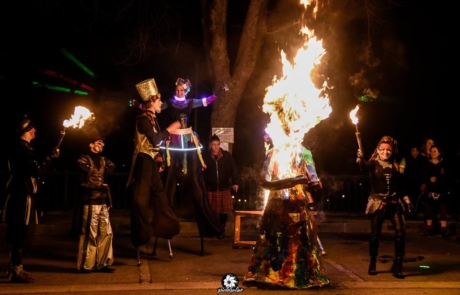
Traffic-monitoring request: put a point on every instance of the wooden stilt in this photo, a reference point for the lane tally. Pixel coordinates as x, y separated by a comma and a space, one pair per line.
202, 246
138, 257
170, 249
154, 252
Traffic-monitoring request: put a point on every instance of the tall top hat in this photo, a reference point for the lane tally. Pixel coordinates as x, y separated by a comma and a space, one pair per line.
148, 90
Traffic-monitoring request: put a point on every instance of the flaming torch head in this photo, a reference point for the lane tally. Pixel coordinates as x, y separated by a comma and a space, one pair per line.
79, 117
353, 117
77, 120
355, 121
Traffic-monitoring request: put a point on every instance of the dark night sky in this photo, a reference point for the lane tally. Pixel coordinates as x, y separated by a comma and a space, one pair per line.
422, 103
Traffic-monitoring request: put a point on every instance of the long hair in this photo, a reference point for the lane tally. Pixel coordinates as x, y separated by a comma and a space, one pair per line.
394, 146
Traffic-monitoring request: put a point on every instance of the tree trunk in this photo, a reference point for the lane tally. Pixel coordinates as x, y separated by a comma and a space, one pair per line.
215, 38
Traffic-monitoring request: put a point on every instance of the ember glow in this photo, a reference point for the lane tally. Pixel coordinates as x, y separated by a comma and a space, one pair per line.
295, 104
79, 117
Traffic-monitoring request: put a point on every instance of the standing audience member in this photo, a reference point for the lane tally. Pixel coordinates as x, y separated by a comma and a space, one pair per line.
435, 190
425, 149
151, 212
385, 201
221, 176
95, 250
412, 166
25, 169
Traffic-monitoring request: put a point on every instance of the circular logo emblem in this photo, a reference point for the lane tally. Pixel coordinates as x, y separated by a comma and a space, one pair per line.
230, 281
230, 284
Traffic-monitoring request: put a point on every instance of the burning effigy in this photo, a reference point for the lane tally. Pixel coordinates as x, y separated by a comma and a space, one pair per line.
287, 253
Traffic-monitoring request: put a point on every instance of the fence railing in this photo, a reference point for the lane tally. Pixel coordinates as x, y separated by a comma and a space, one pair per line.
344, 193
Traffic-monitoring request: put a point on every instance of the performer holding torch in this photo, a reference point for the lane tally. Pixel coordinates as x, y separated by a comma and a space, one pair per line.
355, 121
387, 199
25, 169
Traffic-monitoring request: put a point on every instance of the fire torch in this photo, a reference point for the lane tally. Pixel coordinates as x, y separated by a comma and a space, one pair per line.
355, 121
77, 120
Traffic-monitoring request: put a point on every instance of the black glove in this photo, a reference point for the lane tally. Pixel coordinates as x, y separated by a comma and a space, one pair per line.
311, 207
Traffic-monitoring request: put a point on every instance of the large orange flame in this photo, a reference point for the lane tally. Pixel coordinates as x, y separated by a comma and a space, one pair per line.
295, 104
79, 117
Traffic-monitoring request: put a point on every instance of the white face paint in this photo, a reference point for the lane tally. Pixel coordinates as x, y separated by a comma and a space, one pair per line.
384, 151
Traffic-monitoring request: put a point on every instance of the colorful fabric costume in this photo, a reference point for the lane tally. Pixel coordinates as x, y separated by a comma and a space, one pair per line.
286, 253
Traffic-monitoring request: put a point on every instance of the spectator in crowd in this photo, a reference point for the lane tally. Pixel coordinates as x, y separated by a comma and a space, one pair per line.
434, 184
221, 177
425, 149
411, 166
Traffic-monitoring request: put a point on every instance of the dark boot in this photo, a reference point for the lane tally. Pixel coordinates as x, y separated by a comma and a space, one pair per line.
373, 252
400, 245
222, 233
223, 223
444, 233
18, 275
429, 231
396, 268
372, 266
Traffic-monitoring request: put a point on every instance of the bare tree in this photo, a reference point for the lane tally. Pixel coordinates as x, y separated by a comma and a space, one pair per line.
214, 21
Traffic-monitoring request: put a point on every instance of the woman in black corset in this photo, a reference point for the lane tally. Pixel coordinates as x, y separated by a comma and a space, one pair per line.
386, 201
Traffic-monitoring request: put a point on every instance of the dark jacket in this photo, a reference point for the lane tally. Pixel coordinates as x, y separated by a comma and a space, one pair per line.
221, 171
95, 169
439, 172
25, 169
